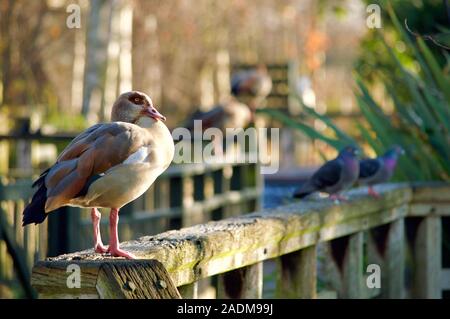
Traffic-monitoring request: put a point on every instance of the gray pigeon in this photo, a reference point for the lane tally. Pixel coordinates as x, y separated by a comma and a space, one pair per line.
334, 176
379, 170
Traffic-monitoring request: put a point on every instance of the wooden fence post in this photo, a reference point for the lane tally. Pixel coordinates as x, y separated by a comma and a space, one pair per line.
17, 253
146, 279
395, 259
427, 248
386, 248
242, 283
347, 254
297, 274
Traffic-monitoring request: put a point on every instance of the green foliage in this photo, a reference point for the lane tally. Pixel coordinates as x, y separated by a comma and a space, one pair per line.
424, 17
420, 120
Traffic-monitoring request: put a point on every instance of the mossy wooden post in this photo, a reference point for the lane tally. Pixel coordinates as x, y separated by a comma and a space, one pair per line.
427, 261
347, 254
242, 283
135, 280
109, 279
386, 248
297, 274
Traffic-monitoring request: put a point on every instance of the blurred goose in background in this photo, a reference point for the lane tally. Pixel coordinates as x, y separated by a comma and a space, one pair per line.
334, 176
107, 166
230, 114
380, 169
256, 83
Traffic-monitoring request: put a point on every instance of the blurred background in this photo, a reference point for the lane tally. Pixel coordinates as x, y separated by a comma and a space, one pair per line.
180, 53
336, 79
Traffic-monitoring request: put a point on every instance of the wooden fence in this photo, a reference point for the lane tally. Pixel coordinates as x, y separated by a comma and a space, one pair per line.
401, 232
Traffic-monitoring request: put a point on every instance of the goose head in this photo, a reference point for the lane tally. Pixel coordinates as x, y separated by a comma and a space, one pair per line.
134, 106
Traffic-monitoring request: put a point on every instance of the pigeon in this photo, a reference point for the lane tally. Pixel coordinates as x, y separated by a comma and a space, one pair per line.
334, 176
379, 170
107, 166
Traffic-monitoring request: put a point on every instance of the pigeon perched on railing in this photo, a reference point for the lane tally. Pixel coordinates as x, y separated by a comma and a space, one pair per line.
379, 170
334, 176
107, 166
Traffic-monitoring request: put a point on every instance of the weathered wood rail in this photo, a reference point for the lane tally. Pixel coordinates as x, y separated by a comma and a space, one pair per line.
400, 232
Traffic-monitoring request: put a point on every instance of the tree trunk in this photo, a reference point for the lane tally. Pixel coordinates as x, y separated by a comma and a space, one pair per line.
6, 12
93, 47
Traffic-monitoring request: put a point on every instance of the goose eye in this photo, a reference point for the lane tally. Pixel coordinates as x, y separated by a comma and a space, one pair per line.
136, 99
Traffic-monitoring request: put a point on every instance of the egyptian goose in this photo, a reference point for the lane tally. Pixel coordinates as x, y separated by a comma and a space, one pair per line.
107, 166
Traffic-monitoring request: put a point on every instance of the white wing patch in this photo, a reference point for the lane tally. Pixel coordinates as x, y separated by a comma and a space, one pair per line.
138, 157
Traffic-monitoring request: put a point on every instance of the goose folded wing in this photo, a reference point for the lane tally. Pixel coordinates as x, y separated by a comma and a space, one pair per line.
93, 152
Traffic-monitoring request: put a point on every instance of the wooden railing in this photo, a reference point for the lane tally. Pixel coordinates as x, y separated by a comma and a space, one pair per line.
400, 232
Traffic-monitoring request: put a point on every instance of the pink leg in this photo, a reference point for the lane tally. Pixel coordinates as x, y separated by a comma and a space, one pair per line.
114, 249
373, 193
98, 244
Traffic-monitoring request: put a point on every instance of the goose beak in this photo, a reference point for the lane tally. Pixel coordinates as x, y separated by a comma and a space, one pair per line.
153, 113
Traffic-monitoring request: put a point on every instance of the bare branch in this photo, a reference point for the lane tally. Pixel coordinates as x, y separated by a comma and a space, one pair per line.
427, 37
